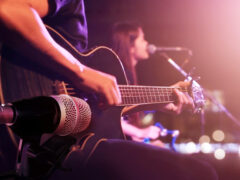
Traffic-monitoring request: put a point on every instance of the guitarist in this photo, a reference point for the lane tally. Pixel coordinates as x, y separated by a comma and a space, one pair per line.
22, 31
130, 44
28, 44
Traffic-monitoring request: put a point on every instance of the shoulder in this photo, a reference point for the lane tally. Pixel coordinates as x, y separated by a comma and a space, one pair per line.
41, 6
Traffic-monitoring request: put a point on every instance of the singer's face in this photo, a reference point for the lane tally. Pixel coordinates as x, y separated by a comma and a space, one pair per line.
139, 48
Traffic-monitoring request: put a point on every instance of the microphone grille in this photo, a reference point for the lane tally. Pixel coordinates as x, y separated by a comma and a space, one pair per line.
68, 112
151, 48
83, 117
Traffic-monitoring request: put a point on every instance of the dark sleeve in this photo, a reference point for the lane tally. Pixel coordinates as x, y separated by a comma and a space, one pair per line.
69, 19
56, 5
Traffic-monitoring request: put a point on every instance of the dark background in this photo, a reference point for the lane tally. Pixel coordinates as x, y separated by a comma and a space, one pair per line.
211, 29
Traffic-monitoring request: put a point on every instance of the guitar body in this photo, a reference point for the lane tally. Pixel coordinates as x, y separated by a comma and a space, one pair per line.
22, 79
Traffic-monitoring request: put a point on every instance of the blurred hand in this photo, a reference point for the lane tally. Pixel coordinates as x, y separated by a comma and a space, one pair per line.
151, 132
183, 102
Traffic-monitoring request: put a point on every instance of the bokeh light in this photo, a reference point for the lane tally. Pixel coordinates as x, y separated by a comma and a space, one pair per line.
219, 154
218, 135
204, 139
191, 148
206, 148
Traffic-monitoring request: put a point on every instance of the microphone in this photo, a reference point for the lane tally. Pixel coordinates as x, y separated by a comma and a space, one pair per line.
60, 114
153, 49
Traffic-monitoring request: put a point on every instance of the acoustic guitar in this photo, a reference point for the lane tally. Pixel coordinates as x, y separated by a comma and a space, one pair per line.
20, 81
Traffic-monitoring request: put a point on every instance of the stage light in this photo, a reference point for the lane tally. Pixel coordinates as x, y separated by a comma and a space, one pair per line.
218, 135
219, 154
191, 147
239, 151
147, 119
204, 139
206, 148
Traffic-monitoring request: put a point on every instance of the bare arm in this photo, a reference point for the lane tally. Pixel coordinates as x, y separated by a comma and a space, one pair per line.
139, 134
23, 30
151, 132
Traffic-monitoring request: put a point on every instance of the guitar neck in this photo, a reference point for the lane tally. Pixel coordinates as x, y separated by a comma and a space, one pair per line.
133, 95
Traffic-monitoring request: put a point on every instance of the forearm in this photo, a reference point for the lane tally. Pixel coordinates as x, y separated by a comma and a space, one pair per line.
23, 30
139, 134
131, 130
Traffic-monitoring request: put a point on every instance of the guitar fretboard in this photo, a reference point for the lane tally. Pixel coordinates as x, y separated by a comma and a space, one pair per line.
132, 95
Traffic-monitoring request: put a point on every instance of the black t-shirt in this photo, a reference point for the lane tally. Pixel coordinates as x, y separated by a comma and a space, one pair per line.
68, 18
23, 78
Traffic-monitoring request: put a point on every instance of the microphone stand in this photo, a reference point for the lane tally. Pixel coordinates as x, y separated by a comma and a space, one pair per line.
222, 108
207, 95
199, 97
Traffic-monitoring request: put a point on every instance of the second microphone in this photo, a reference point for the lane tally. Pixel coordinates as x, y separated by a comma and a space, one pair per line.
61, 115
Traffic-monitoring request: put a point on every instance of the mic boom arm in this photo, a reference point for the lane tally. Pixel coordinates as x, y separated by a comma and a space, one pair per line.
204, 93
